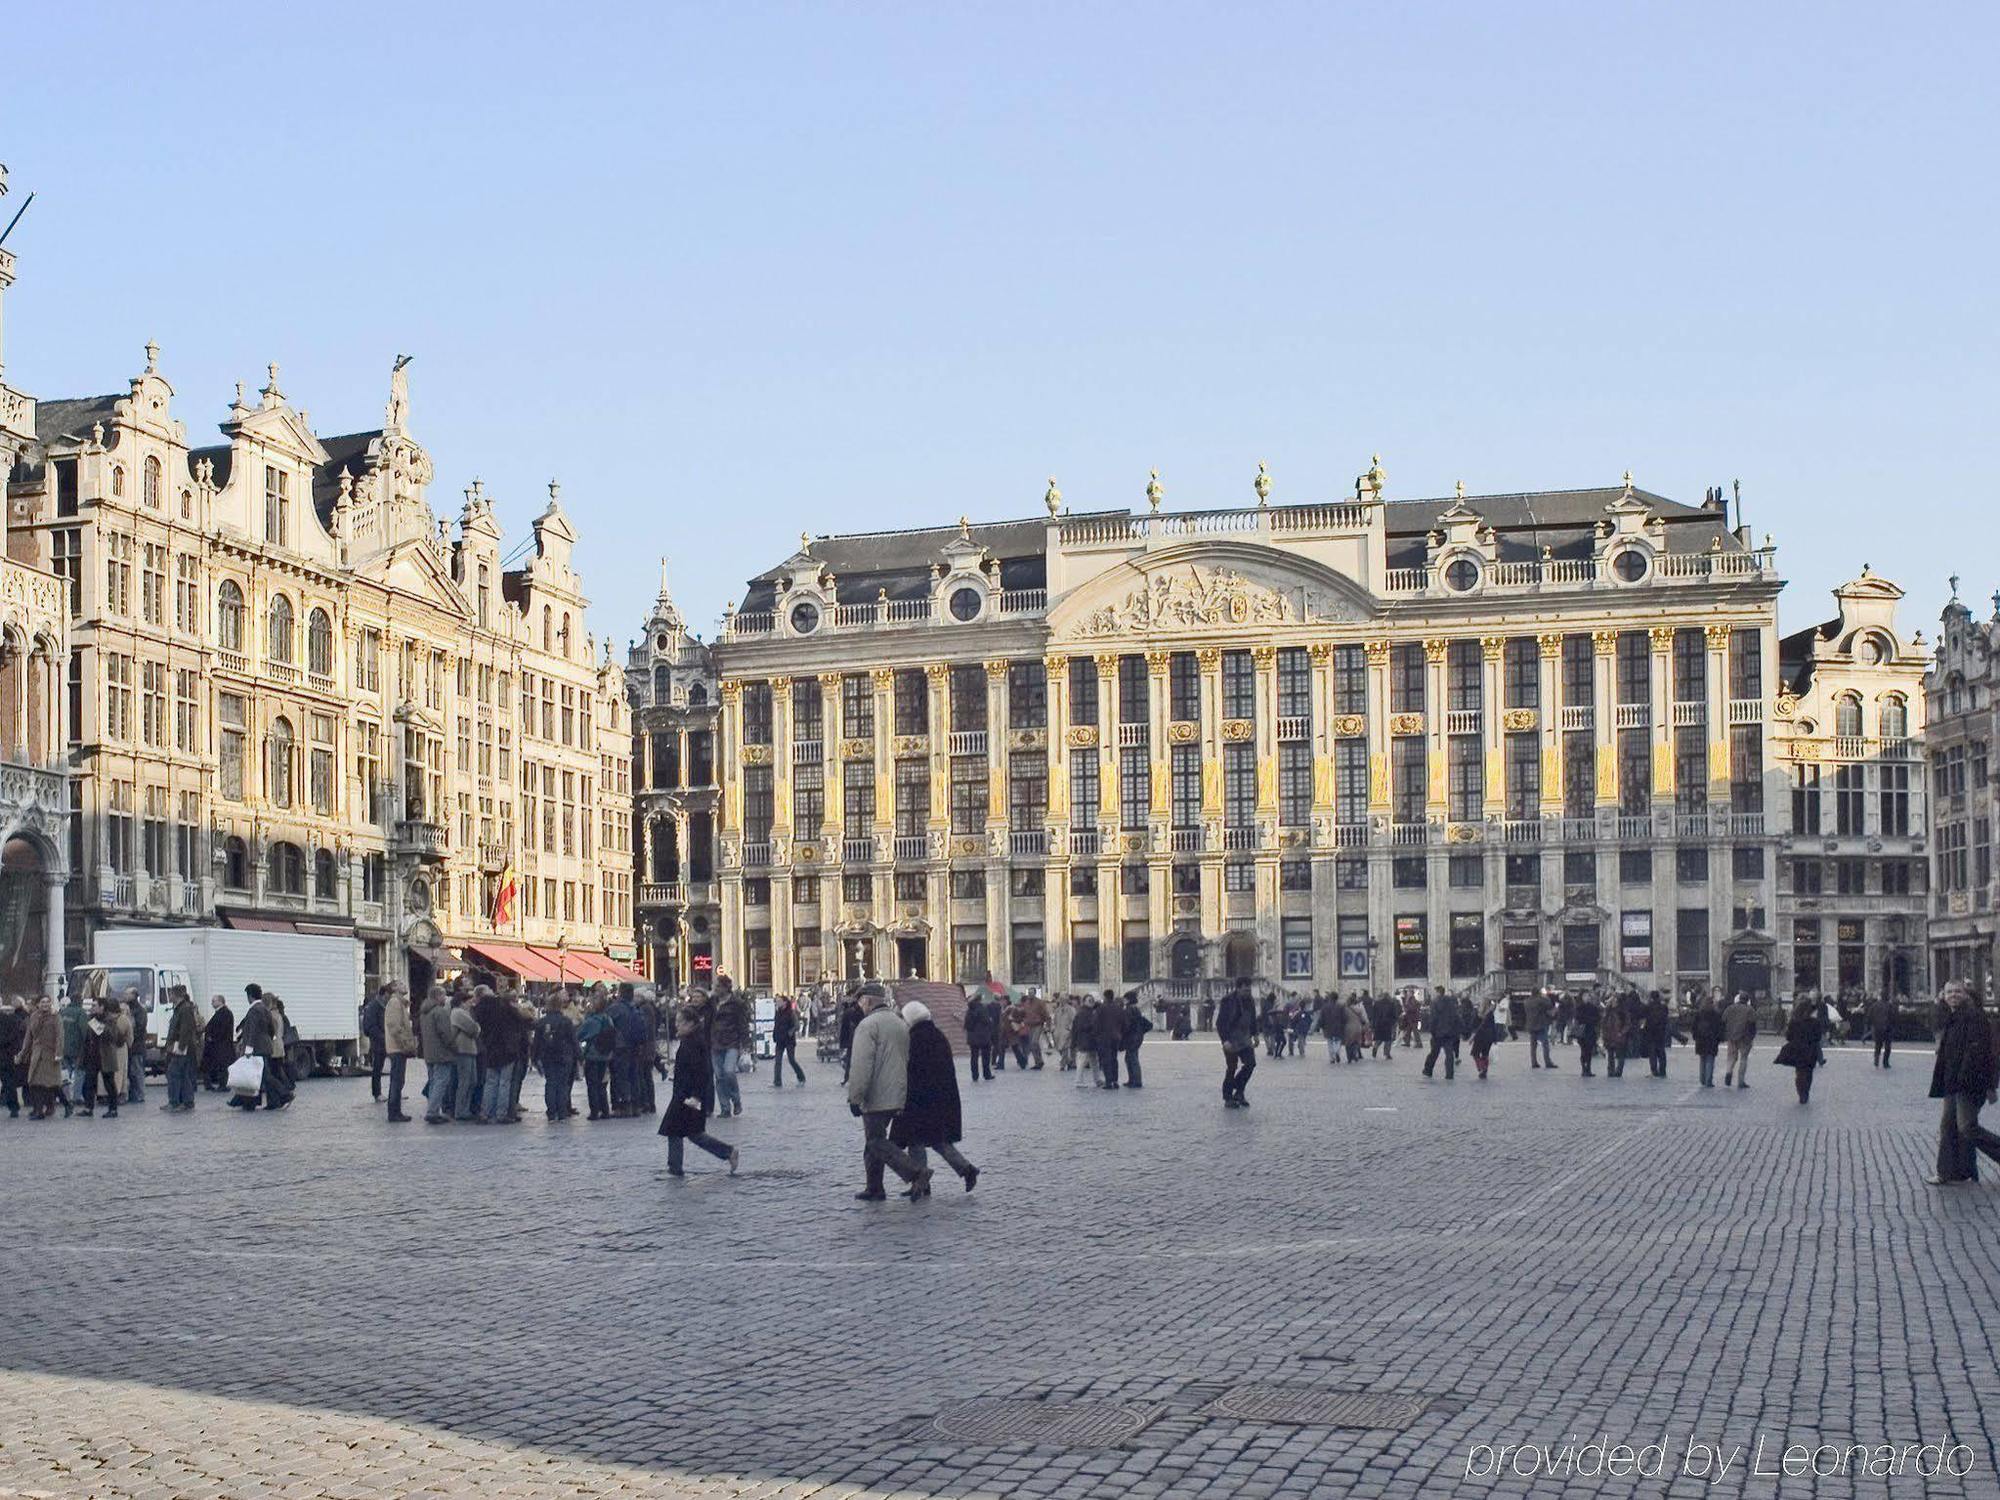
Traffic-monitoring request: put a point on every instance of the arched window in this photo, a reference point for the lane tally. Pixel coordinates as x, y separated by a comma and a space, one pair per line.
281, 629
187, 505
288, 869
229, 616
1847, 715
319, 644
323, 881
279, 768
485, 592
117, 481
697, 695
663, 685
562, 636
235, 864
152, 483
1895, 718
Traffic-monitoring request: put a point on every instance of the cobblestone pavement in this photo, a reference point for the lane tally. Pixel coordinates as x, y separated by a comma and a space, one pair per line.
316, 1304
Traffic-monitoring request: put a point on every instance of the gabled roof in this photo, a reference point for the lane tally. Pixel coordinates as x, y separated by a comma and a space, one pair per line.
65, 420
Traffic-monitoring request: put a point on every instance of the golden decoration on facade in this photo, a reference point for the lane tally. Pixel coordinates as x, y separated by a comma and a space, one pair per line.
937, 671
1406, 723
729, 688
1517, 719
1491, 647
1055, 666
1349, 726
1551, 644
1662, 638
884, 679
1027, 739
1436, 651
1718, 637
1182, 733
1082, 736
1464, 833
1320, 653
1264, 657
1604, 642
805, 854
1157, 662
756, 755
996, 670
911, 744
857, 749
1377, 653
1786, 706
1238, 730
1209, 658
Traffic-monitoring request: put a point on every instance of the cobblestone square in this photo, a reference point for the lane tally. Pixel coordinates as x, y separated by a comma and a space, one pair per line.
1148, 1295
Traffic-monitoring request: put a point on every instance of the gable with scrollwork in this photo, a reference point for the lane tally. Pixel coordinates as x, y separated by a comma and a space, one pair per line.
1196, 589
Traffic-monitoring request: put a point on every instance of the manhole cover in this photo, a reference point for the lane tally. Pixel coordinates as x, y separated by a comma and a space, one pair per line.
1067, 1424
1302, 1406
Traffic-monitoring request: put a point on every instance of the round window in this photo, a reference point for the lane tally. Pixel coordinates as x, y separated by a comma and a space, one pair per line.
662, 642
1629, 565
1871, 650
965, 603
1460, 574
805, 618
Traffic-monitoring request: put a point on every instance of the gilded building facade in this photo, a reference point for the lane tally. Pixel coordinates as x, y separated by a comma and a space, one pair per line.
298, 698
1854, 876
1962, 698
34, 769
676, 711
1507, 739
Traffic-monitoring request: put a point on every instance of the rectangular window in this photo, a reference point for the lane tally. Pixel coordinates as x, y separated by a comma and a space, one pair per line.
1350, 780
1746, 768
1805, 799
1521, 662
857, 706
1083, 789
1350, 872
756, 712
1406, 678
117, 697
1295, 875
66, 562
857, 887
1635, 667
1029, 954
1083, 960
1848, 794
1294, 684
153, 584
277, 506
1468, 945
1746, 664
913, 797
1239, 877
1690, 769
1295, 784
1295, 935
968, 697
1027, 790
1524, 776
230, 716
1409, 872
1350, 680
153, 703
913, 702
1895, 799
1580, 869
1412, 947
1186, 798
1239, 785
1184, 687
1239, 685
1027, 704
1635, 772
857, 798
757, 805
1746, 862
1407, 769
1135, 787
1579, 774
187, 714
320, 771
808, 711
1691, 864
1136, 953
1082, 690
1463, 690
1635, 942
968, 793
808, 797
1635, 867
968, 885
1691, 940
1467, 872
1577, 672
1467, 768
1132, 691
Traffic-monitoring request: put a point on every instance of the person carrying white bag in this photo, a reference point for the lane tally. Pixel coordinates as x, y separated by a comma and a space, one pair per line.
258, 1035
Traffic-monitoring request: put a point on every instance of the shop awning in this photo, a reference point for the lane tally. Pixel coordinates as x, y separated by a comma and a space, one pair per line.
588, 966
522, 962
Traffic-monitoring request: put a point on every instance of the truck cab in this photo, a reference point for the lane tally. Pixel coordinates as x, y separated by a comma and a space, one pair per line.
152, 982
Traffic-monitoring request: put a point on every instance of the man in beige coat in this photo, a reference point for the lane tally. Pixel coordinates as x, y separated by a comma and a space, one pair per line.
877, 1083
399, 1041
114, 1035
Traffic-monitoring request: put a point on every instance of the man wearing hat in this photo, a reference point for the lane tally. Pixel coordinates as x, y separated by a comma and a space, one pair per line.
877, 1086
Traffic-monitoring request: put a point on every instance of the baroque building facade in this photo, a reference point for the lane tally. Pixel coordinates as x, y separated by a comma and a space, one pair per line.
1854, 877
34, 760
670, 682
296, 698
1517, 739
1962, 699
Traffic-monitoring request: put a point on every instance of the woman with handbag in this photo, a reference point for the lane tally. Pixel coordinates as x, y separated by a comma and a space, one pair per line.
686, 1118
1801, 1053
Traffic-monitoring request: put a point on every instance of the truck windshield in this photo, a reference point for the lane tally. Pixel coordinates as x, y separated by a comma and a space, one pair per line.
96, 983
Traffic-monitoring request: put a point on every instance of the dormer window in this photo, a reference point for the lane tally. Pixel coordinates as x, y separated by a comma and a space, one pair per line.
150, 491
1461, 574
805, 618
277, 506
965, 603
1629, 565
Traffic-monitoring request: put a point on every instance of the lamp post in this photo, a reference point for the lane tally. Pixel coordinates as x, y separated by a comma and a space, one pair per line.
562, 965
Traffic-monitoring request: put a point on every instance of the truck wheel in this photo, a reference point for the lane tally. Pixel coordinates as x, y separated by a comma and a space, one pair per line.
303, 1061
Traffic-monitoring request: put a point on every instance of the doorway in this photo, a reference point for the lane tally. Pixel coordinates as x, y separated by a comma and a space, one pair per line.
911, 953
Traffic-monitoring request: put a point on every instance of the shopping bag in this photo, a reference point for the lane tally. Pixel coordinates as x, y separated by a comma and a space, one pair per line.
246, 1077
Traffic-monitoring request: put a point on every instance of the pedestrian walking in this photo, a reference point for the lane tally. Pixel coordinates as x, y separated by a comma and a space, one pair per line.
1133, 1033
1411, 1018
686, 1117
850, 1017
1882, 1018
1739, 1030
182, 1044
218, 1044
1083, 1039
114, 1038
1331, 1020
729, 1033
1654, 1034
13, 1037
1382, 1018
785, 1043
1804, 1035
1963, 1075
1030, 1015
1485, 1032
930, 1119
877, 1087
40, 1061
982, 1032
373, 1011
1236, 1024
1707, 1031
399, 1041
1540, 1013
1445, 1022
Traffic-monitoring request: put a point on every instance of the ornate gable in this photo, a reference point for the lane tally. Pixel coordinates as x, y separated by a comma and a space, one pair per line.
1188, 590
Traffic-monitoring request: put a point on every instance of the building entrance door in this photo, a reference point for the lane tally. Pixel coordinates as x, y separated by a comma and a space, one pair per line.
910, 955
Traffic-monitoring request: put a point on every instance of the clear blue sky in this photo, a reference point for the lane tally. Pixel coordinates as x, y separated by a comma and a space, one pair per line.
733, 271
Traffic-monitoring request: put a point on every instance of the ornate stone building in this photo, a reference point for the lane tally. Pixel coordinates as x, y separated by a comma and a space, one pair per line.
1508, 738
670, 681
1850, 721
1962, 697
296, 698
34, 770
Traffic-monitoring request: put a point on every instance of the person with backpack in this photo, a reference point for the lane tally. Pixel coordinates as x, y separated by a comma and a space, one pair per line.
553, 1045
597, 1040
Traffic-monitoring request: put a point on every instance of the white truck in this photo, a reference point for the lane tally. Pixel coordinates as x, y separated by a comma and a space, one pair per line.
318, 976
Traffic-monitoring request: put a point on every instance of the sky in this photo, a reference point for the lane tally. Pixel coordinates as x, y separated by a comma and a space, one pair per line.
731, 272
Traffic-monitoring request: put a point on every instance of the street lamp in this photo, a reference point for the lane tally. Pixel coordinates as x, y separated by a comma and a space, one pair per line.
562, 964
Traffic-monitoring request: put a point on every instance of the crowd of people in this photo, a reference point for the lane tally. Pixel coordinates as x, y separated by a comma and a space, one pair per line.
478, 1043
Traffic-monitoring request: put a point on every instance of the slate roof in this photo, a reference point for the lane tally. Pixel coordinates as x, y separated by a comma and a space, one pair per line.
348, 450
69, 419
1563, 521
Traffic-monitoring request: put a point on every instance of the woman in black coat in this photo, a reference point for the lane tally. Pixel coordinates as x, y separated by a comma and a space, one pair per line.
686, 1118
1801, 1053
1963, 1077
1707, 1029
1485, 1032
930, 1113
218, 1045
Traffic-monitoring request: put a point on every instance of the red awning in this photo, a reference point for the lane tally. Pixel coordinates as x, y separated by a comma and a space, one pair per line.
526, 963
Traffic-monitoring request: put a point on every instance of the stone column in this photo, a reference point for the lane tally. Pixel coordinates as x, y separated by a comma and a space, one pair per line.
1209, 659
1265, 727
1321, 656
781, 769
1055, 895
1111, 818
1493, 714
728, 757
1548, 710
938, 677
1716, 639
884, 682
1661, 639
53, 968
833, 767
1378, 728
